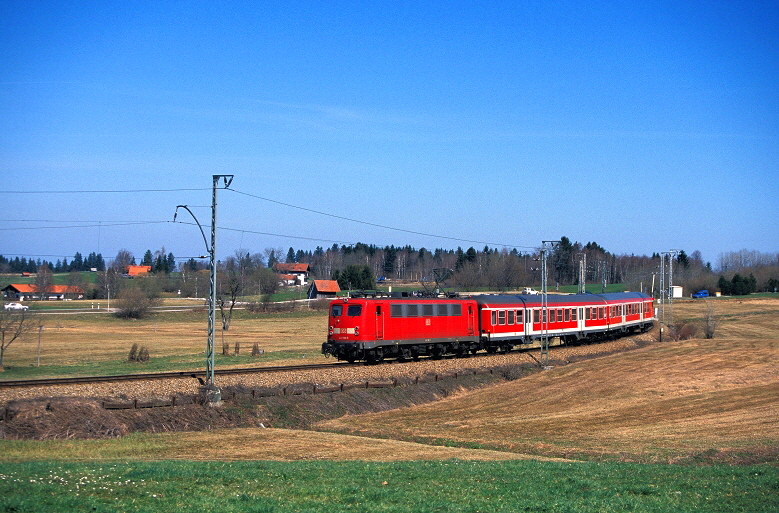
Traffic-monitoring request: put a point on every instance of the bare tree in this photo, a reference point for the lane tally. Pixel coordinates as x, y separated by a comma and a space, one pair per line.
14, 324
123, 258
43, 279
229, 287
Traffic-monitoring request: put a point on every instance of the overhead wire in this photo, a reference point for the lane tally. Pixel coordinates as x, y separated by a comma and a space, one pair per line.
243, 193
368, 223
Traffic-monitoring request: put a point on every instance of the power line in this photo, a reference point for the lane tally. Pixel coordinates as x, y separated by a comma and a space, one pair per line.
255, 232
90, 225
289, 205
367, 223
105, 191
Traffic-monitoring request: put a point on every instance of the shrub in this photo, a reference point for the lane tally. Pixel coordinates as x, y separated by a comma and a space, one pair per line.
138, 355
710, 321
133, 303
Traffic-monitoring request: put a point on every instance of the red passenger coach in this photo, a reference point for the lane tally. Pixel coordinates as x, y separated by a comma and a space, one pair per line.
372, 329
511, 320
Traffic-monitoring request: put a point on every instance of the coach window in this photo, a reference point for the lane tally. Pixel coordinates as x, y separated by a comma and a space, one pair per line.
587, 313
559, 315
502, 317
536, 316
567, 315
337, 310
573, 314
354, 310
519, 316
494, 317
511, 317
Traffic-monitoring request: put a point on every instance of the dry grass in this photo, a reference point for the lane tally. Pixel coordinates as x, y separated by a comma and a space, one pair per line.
78, 338
244, 444
658, 403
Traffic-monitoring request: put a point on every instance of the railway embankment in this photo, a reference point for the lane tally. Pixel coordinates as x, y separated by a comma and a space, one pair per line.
100, 410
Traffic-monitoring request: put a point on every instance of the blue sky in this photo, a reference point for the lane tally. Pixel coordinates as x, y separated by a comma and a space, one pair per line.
643, 127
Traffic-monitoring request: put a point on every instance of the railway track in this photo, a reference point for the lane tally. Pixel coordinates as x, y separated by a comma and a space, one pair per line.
22, 383
30, 383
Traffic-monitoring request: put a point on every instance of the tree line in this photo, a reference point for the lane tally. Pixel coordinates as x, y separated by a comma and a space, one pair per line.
360, 265
78, 263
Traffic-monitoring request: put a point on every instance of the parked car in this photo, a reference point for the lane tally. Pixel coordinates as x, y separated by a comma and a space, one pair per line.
701, 293
15, 306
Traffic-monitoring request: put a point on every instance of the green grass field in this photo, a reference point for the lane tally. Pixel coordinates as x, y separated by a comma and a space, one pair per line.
451, 486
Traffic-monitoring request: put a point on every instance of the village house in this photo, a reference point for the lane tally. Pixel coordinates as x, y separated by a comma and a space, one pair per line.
292, 274
323, 289
22, 291
138, 270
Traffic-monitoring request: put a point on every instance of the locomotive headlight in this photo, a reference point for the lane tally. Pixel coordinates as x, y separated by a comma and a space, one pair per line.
356, 330
331, 330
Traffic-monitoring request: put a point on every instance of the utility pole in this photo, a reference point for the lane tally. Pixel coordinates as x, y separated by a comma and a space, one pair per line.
210, 393
672, 254
582, 273
544, 359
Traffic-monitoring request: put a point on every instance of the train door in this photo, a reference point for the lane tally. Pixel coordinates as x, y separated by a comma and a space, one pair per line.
379, 323
528, 322
470, 320
581, 319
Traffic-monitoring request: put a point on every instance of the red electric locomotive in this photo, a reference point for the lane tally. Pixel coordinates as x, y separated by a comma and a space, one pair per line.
372, 329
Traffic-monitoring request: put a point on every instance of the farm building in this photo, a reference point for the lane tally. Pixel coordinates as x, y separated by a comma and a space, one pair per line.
137, 270
323, 289
292, 274
22, 291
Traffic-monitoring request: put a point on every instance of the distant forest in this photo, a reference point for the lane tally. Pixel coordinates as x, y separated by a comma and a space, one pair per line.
488, 268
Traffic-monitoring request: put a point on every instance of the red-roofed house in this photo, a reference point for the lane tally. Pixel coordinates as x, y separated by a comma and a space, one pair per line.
292, 274
22, 291
323, 289
137, 270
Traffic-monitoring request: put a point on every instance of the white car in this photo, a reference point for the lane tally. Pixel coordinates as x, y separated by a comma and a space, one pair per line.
15, 306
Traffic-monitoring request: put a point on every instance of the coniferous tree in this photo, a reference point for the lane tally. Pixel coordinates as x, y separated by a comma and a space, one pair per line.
148, 258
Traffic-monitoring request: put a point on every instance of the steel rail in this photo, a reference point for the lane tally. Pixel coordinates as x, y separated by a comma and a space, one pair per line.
166, 375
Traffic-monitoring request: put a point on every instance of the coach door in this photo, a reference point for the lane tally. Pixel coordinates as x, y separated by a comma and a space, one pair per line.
379, 323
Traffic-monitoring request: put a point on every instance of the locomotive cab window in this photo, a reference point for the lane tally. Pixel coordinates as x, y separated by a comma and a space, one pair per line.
337, 310
354, 310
